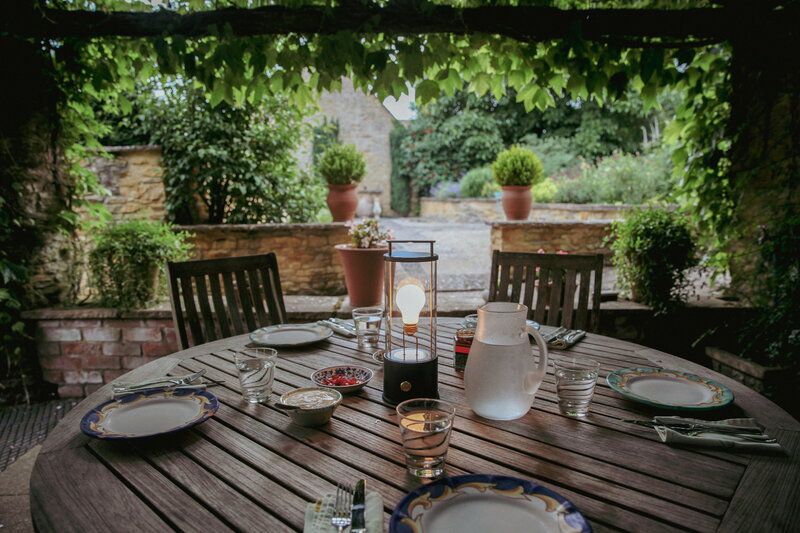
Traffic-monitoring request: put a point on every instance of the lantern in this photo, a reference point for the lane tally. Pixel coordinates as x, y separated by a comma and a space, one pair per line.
410, 364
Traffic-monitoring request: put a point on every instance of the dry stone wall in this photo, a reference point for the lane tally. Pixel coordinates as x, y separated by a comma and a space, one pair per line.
490, 209
571, 237
307, 259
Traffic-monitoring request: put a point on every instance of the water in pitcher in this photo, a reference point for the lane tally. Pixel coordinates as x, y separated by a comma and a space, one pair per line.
507, 399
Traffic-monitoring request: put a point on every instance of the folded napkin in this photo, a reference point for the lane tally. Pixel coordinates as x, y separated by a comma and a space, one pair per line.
739, 434
319, 513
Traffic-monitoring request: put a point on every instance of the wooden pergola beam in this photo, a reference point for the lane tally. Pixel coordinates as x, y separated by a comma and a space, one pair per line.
526, 23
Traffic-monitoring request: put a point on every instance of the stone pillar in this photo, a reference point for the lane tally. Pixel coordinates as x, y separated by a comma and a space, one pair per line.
765, 159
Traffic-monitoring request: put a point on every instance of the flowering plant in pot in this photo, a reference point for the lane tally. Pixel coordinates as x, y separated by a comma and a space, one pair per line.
516, 170
343, 167
362, 260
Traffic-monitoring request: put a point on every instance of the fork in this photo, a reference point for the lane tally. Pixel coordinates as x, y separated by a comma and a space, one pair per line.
341, 509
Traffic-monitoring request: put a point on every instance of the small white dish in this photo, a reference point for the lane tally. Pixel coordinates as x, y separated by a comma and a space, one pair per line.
290, 335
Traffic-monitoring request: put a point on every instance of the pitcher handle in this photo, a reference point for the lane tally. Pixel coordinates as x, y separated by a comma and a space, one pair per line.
534, 382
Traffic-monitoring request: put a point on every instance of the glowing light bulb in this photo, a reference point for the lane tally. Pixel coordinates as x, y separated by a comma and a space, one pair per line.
410, 300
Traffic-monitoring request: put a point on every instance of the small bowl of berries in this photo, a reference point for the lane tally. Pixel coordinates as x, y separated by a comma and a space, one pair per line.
344, 378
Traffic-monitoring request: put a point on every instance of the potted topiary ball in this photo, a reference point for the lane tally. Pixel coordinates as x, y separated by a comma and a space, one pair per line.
343, 167
362, 260
516, 170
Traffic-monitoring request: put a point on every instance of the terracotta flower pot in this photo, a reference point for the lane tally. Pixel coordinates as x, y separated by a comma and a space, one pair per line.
363, 274
342, 201
517, 201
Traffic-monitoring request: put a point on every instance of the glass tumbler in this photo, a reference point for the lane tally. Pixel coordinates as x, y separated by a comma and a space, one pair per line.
575, 381
256, 368
368, 326
425, 427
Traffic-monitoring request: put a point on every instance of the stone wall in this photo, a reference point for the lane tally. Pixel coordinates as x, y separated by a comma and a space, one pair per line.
572, 237
81, 350
307, 260
765, 159
489, 209
366, 123
133, 176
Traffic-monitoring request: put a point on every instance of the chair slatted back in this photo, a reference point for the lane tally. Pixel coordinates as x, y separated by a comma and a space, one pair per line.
218, 298
554, 287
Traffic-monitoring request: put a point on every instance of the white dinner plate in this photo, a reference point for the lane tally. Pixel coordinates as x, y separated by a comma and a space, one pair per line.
480, 503
671, 389
287, 335
149, 413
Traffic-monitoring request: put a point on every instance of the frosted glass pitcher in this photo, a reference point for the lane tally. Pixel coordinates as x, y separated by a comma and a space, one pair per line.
502, 374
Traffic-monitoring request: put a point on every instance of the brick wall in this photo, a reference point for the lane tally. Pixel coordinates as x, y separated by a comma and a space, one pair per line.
81, 350
574, 237
489, 209
307, 260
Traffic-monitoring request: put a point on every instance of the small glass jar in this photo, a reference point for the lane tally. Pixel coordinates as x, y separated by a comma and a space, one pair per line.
463, 342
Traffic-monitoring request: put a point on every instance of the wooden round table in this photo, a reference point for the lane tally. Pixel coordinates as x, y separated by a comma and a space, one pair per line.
249, 468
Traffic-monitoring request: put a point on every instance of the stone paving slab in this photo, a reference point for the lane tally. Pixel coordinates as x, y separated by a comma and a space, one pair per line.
15, 510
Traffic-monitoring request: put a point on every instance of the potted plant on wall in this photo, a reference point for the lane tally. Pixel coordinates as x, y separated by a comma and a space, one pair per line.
653, 251
362, 260
343, 167
516, 170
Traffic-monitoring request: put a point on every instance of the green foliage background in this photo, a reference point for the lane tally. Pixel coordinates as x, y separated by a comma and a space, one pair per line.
128, 258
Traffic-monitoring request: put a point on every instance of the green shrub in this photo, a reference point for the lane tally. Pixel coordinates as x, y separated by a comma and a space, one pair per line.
474, 182
342, 164
434, 151
231, 165
325, 135
545, 191
653, 250
517, 166
490, 189
773, 337
400, 186
557, 154
620, 178
128, 258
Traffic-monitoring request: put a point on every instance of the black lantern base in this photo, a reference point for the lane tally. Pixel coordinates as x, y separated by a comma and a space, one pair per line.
406, 380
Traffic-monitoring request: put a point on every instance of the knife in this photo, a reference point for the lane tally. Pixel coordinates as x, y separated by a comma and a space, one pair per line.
358, 523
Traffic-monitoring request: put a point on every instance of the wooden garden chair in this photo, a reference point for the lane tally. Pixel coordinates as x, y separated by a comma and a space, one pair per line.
554, 287
218, 298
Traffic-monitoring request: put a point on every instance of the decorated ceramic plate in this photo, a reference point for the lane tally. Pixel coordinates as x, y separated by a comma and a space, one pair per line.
670, 389
288, 335
149, 413
345, 378
479, 503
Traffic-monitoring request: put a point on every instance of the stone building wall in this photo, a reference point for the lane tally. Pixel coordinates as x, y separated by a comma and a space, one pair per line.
366, 123
307, 260
572, 237
133, 176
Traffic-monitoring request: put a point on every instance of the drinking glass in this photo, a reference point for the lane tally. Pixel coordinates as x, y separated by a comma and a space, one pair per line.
368, 325
425, 426
575, 381
256, 367
470, 321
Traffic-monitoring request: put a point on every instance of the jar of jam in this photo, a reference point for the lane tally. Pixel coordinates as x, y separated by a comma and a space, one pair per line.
463, 342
